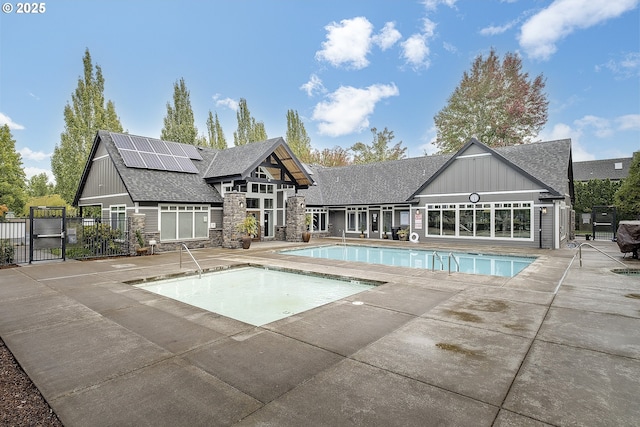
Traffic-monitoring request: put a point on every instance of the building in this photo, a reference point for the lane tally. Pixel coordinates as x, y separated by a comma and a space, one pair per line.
519, 195
612, 169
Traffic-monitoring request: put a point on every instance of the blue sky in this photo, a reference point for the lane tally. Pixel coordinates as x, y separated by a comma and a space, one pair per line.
345, 66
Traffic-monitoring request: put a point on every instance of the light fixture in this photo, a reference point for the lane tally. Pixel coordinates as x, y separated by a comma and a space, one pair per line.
544, 210
241, 204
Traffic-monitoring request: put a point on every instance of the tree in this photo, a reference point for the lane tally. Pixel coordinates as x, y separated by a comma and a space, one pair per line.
248, 129
628, 195
496, 103
216, 135
330, 157
179, 125
297, 137
86, 114
378, 151
48, 200
12, 177
595, 192
39, 186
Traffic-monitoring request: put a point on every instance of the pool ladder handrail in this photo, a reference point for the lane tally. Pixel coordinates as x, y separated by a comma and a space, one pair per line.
450, 256
344, 239
192, 257
626, 267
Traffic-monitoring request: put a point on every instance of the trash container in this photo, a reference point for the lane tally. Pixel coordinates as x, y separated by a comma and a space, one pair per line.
394, 233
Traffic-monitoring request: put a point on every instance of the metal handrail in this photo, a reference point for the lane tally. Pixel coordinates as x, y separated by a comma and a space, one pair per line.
603, 253
194, 260
456, 261
344, 240
433, 260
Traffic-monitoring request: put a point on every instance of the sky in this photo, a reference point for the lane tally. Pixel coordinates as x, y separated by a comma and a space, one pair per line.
346, 66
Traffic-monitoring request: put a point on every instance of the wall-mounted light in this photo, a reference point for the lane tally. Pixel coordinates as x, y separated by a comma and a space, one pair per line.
241, 204
544, 210
302, 204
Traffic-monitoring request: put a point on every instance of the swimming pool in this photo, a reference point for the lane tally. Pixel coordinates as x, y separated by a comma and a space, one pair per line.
256, 295
487, 264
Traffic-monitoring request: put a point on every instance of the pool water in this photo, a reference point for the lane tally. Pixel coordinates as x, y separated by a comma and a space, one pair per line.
255, 295
487, 264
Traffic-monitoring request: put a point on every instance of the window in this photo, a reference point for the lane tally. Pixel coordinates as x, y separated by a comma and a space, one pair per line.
319, 219
118, 217
181, 222
511, 220
356, 219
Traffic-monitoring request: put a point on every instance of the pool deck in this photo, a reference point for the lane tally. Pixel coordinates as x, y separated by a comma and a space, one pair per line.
559, 344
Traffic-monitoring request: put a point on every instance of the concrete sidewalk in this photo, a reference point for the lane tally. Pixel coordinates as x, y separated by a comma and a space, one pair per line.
425, 348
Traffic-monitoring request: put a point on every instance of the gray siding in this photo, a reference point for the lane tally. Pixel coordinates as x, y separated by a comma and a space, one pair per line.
479, 174
103, 180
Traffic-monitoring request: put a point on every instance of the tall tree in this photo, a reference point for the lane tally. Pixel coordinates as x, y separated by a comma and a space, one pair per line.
12, 178
297, 137
248, 129
496, 103
216, 135
330, 157
379, 150
628, 195
179, 124
39, 186
86, 114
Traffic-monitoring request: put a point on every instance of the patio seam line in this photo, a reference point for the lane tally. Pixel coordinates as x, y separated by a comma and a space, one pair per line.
597, 312
589, 349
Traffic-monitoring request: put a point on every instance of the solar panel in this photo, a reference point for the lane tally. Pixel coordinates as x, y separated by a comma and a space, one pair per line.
186, 164
159, 146
176, 149
151, 160
142, 144
170, 163
132, 159
191, 151
122, 141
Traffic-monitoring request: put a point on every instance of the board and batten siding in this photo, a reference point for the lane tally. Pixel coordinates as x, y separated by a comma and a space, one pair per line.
103, 184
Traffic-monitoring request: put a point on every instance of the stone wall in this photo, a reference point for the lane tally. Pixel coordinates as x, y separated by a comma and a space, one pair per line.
296, 209
234, 212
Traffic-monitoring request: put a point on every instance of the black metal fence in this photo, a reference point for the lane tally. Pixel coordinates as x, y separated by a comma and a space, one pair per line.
83, 238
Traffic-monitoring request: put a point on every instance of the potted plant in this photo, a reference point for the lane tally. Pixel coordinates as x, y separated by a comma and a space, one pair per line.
362, 231
403, 233
249, 226
306, 234
142, 249
386, 230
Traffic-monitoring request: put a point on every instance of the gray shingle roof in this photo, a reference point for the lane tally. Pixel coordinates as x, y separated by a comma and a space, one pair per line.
145, 185
601, 169
396, 181
236, 161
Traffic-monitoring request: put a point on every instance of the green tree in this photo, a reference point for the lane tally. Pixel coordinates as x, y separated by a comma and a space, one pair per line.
297, 137
86, 114
496, 103
39, 185
330, 157
48, 200
627, 197
179, 125
216, 135
595, 192
248, 129
379, 150
12, 177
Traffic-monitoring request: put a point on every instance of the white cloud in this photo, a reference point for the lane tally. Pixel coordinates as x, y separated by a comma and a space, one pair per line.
387, 37
564, 131
348, 43
38, 156
601, 127
495, 30
6, 120
230, 103
31, 172
539, 35
627, 67
628, 122
416, 52
432, 5
313, 86
348, 108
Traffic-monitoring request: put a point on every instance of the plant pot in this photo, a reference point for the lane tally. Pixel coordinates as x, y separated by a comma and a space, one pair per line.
306, 236
142, 251
384, 236
246, 242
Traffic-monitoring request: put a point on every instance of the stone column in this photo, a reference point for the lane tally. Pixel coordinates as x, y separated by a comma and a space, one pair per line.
234, 211
296, 208
137, 221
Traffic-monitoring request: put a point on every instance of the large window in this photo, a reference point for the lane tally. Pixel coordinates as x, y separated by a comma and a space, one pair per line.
181, 222
118, 217
491, 220
356, 219
319, 219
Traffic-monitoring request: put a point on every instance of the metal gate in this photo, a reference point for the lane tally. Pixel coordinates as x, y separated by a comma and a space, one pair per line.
603, 219
47, 240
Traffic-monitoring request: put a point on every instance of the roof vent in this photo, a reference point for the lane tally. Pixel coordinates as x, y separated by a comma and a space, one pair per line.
617, 165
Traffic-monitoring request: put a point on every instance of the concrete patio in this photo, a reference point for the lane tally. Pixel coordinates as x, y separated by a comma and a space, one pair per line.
559, 344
